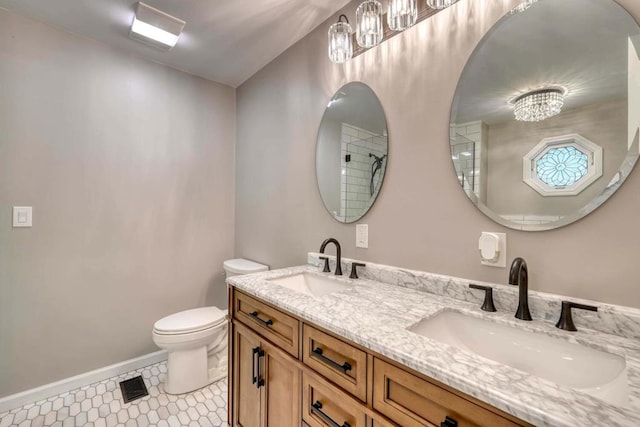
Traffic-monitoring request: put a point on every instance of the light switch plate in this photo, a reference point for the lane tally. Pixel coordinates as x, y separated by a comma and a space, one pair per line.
22, 216
362, 236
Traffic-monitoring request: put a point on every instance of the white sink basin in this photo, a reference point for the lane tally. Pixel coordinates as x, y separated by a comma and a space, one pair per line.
315, 285
595, 372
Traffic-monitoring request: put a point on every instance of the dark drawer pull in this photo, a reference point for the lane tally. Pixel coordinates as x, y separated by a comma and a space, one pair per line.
316, 409
266, 323
255, 379
449, 422
344, 367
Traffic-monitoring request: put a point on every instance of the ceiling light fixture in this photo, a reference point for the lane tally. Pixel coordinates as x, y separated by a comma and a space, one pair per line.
539, 105
340, 43
155, 27
440, 4
369, 23
402, 14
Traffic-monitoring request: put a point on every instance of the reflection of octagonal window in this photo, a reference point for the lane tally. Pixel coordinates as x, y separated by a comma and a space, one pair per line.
562, 166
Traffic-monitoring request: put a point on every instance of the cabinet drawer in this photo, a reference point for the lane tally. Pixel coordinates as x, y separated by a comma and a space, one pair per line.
338, 361
378, 423
325, 406
411, 401
273, 324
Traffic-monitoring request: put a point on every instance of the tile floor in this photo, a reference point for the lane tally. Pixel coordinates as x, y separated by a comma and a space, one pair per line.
101, 405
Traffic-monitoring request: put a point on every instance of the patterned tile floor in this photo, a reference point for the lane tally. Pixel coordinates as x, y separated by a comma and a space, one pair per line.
101, 405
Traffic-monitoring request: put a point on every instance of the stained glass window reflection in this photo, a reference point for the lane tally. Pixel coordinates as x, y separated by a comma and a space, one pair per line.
562, 166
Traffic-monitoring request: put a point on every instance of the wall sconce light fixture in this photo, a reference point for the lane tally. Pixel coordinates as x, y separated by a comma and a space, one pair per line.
340, 41
372, 27
369, 23
440, 4
402, 14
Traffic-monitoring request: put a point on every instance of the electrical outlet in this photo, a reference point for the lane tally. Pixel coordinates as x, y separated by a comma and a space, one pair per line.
362, 236
22, 216
493, 249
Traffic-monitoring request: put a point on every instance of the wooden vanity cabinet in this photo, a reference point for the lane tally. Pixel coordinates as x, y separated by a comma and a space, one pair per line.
286, 372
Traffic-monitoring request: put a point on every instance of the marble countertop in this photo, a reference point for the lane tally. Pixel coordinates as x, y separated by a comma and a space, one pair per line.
376, 315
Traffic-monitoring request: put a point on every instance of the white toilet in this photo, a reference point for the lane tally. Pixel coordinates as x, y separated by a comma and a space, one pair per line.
196, 340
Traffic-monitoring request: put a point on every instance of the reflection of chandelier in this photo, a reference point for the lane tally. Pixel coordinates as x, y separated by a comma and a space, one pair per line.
539, 105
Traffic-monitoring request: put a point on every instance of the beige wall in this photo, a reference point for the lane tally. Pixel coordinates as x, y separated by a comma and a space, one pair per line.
129, 168
604, 124
422, 219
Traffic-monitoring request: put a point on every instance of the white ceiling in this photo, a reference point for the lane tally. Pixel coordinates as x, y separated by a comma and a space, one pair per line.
226, 41
581, 45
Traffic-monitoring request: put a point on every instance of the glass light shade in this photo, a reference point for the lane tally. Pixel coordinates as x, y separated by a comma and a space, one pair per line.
523, 6
340, 44
539, 105
402, 14
369, 23
440, 4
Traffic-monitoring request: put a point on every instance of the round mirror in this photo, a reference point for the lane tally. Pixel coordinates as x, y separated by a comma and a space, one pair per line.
544, 123
351, 152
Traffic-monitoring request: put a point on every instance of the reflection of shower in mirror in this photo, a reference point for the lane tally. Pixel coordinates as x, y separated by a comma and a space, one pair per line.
375, 168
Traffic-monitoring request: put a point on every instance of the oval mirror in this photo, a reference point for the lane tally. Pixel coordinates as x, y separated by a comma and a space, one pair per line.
544, 123
351, 152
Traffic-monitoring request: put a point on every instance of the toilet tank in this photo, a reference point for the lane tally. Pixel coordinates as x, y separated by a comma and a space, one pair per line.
238, 266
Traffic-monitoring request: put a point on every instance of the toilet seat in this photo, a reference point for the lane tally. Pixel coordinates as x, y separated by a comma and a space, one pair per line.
190, 321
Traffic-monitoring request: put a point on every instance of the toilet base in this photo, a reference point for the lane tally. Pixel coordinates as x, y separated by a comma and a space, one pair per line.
188, 370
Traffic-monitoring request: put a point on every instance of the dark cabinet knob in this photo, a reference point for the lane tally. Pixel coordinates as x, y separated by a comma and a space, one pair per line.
565, 322
449, 422
487, 305
354, 271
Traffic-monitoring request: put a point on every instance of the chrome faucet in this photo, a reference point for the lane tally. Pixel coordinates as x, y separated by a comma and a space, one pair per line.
518, 275
338, 253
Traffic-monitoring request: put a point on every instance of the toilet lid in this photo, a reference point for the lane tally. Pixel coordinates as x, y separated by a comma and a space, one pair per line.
187, 321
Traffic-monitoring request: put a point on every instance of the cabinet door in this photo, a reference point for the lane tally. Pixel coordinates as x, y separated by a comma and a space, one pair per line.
246, 394
282, 388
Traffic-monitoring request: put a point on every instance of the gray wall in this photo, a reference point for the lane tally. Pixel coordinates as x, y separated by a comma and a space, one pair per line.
129, 168
604, 124
421, 219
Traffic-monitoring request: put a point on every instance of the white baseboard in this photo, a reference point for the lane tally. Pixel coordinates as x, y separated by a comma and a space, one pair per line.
53, 389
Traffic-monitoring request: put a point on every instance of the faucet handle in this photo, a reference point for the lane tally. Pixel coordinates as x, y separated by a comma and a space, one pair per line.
354, 271
326, 268
565, 322
487, 305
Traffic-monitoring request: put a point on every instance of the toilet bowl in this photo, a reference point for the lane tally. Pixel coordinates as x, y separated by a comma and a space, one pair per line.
196, 340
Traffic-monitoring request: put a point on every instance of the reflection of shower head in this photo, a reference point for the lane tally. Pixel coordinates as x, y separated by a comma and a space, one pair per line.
378, 159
